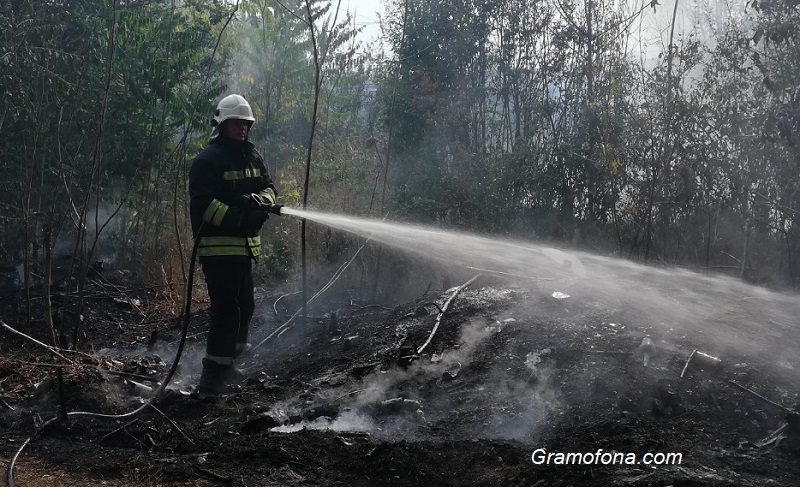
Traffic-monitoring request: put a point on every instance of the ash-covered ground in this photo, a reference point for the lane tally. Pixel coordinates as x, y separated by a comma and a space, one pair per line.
347, 399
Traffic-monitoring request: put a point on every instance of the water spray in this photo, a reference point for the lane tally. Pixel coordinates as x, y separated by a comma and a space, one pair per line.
731, 312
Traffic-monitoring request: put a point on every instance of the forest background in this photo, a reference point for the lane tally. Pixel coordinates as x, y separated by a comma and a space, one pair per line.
525, 119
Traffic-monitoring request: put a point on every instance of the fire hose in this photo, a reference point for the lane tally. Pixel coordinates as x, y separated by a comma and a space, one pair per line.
187, 305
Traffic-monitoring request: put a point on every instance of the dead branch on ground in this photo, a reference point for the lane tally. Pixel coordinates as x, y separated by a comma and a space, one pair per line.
129, 375
768, 401
442, 310
55, 351
112, 433
173, 423
686, 366
212, 475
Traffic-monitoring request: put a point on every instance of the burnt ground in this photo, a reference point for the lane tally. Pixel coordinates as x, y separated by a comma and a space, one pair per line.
345, 401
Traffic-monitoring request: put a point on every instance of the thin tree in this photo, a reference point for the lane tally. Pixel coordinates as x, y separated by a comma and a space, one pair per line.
317, 88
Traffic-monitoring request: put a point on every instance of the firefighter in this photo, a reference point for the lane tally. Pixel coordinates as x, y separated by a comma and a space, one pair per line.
231, 195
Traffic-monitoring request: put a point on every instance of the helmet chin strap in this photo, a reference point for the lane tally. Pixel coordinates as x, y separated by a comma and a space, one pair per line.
214, 134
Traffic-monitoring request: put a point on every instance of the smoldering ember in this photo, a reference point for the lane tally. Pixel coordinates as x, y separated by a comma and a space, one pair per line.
414, 243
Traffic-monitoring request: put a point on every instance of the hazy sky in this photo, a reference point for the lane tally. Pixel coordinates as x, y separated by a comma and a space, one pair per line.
365, 12
654, 24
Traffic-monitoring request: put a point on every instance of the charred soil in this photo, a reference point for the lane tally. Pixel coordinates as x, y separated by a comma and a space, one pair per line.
347, 400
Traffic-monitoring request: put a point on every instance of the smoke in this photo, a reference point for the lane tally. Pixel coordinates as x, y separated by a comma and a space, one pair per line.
526, 408
465, 382
386, 384
351, 421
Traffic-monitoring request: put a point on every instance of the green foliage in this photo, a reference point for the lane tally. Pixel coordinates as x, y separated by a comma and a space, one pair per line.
530, 117
99, 93
279, 260
274, 71
527, 117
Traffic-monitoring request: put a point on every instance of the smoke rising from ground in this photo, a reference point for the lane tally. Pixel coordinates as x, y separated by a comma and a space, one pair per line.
410, 403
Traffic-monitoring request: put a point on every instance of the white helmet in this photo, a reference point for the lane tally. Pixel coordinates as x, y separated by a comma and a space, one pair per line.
233, 106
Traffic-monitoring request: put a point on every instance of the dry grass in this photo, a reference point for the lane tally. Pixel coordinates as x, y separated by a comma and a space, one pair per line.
33, 473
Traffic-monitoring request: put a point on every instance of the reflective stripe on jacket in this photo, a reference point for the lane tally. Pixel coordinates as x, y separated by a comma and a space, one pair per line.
220, 176
221, 246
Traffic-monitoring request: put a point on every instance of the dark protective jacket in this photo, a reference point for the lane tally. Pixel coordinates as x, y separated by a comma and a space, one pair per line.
219, 177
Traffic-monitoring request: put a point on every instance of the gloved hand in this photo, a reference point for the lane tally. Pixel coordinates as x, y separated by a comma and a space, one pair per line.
253, 220
253, 201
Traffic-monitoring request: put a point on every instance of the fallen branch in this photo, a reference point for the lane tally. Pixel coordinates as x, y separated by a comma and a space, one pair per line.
774, 438
351, 393
109, 435
173, 423
442, 311
38, 364
127, 374
51, 349
54, 350
213, 475
3, 401
768, 401
687, 363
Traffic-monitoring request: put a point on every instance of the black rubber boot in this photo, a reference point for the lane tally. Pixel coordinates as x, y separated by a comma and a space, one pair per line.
214, 378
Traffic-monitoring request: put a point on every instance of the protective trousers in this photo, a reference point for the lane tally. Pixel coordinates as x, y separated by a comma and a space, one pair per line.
230, 289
